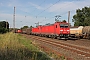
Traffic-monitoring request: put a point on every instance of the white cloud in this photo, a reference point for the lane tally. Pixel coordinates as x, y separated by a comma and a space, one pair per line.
36, 6
68, 6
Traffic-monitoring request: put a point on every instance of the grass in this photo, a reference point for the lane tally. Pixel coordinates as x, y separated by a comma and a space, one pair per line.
16, 47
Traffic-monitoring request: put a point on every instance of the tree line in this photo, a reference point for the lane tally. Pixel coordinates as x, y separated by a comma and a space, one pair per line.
82, 17
4, 26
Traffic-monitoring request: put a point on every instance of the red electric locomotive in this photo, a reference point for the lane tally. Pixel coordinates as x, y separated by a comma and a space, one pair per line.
56, 30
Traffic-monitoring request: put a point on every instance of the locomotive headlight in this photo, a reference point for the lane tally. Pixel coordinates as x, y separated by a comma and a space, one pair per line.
61, 30
68, 30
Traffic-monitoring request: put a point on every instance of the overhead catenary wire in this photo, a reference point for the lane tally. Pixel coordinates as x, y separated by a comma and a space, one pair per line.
67, 11
48, 8
61, 14
64, 13
51, 6
38, 5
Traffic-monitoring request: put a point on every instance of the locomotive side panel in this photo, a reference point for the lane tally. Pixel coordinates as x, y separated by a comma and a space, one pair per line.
57, 29
35, 30
44, 30
47, 29
51, 29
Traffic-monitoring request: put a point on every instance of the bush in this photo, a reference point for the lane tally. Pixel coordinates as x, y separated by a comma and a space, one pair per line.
3, 30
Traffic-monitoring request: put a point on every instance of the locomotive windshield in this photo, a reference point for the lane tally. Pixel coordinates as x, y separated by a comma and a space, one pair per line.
64, 25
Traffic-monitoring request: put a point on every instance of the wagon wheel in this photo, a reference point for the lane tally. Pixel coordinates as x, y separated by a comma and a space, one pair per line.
52, 36
58, 38
55, 37
78, 37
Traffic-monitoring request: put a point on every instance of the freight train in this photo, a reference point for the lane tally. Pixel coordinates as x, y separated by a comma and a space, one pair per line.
59, 30
56, 30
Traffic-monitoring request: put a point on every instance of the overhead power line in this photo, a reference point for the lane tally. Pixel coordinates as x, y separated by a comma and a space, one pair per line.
42, 3
38, 5
57, 9
48, 8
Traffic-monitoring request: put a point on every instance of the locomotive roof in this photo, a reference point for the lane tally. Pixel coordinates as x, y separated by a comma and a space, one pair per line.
53, 24
60, 22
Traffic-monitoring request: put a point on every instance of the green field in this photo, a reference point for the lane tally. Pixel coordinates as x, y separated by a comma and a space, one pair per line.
16, 47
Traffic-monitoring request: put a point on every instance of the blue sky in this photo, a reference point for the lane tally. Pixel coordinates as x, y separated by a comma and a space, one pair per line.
29, 12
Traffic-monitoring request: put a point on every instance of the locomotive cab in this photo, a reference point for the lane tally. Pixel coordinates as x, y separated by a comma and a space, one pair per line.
62, 30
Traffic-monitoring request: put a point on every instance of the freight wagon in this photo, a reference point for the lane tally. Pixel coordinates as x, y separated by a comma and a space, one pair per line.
86, 32
76, 32
28, 31
80, 32
24, 31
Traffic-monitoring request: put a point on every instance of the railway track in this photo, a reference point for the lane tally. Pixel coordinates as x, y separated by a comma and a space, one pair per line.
75, 52
81, 42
